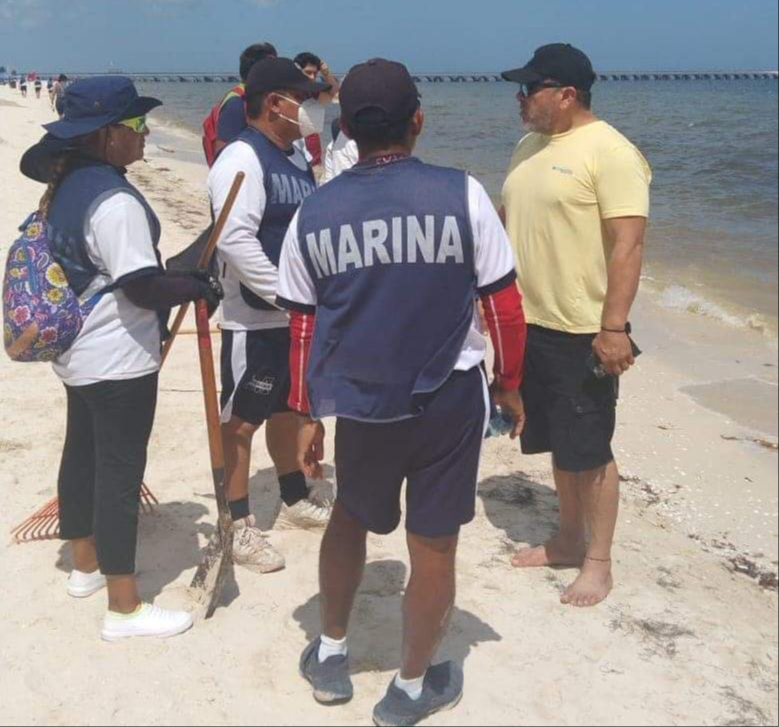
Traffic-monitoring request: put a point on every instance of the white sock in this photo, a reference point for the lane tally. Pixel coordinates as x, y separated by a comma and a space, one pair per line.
412, 687
330, 647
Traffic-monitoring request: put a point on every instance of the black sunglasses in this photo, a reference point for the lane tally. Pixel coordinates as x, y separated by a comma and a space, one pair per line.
530, 89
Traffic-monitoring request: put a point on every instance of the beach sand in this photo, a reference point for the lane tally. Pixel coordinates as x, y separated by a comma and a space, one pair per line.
689, 636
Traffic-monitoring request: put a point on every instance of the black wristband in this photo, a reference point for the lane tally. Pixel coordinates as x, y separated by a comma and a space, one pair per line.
628, 329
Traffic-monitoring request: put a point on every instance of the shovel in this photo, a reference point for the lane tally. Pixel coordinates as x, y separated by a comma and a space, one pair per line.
218, 557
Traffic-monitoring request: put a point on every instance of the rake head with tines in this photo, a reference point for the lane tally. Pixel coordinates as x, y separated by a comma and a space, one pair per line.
45, 524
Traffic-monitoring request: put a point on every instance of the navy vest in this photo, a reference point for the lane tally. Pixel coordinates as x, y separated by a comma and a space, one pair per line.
76, 198
390, 250
286, 186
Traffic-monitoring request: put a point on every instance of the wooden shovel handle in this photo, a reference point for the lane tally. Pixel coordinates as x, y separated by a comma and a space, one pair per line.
208, 374
205, 257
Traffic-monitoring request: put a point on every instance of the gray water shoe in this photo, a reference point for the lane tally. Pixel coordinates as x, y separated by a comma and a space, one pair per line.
443, 690
331, 679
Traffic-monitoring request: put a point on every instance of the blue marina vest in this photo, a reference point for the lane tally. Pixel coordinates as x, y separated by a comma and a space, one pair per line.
79, 194
390, 250
286, 186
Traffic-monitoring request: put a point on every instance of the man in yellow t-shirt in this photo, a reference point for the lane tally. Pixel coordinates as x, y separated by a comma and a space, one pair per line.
575, 203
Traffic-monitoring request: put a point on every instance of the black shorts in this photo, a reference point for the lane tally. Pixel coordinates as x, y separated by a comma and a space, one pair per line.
255, 374
570, 412
437, 453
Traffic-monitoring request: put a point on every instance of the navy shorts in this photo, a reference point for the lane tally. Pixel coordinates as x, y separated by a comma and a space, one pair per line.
255, 374
436, 453
570, 412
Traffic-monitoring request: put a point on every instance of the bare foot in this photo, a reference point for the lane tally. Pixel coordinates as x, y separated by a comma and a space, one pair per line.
559, 551
592, 587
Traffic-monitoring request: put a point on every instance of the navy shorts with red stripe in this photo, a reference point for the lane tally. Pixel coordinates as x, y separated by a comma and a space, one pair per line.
436, 453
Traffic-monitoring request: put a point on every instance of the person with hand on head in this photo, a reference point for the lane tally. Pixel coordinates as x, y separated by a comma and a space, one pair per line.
576, 203
105, 238
314, 67
282, 107
402, 373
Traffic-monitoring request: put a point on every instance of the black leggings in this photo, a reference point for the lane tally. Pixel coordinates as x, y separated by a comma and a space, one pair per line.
103, 464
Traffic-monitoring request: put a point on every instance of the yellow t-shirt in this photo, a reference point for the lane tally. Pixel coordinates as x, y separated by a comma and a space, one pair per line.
557, 194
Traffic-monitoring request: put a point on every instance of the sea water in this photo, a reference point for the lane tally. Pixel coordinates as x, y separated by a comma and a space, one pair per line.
713, 146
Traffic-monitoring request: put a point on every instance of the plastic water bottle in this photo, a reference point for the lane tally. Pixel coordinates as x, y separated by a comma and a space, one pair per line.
500, 425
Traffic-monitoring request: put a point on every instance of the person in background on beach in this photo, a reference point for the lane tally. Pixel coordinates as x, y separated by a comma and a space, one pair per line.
50, 89
38, 87
111, 372
255, 332
23, 86
58, 94
314, 67
576, 203
341, 154
232, 112
402, 373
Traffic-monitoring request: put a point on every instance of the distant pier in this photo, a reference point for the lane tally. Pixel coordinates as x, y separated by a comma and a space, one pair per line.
632, 76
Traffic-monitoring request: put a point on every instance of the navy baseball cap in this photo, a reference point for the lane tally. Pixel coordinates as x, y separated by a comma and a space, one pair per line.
278, 74
93, 103
378, 93
559, 62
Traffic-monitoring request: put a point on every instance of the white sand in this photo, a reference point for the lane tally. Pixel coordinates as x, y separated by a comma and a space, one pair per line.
683, 639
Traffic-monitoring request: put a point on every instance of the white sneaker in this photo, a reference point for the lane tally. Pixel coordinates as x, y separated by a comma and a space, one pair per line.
306, 515
84, 585
149, 621
253, 550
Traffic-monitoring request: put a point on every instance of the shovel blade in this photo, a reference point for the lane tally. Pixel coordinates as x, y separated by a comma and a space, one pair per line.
214, 567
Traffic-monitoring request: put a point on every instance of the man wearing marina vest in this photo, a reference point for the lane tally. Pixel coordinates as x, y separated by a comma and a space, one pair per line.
255, 332
381, 269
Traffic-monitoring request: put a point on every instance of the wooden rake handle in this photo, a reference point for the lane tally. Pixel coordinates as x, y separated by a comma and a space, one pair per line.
205, 258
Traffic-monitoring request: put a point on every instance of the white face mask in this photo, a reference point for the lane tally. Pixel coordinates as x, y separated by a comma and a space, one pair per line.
311, 116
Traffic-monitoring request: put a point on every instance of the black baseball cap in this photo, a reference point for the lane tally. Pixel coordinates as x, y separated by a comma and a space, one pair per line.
378, 93
275, 74
559, 62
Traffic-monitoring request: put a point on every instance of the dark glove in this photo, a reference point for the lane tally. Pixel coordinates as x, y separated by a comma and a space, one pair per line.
211, 290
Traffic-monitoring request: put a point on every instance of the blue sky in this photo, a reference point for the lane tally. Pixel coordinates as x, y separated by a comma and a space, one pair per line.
428, 35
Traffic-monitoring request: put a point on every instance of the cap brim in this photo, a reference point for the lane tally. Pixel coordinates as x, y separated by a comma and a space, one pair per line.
312, 87
37, 161
522, 75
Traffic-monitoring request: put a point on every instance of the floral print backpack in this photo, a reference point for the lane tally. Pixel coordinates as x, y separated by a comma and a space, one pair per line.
42, 316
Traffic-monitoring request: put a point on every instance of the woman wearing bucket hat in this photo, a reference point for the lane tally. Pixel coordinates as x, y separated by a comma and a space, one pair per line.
105, 235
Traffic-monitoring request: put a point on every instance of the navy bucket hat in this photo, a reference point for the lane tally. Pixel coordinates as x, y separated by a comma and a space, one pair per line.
90, 105
93, 103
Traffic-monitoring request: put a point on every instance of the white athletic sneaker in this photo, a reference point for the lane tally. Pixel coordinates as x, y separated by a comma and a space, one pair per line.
253, 550
306, 515
84, 585
149, 621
